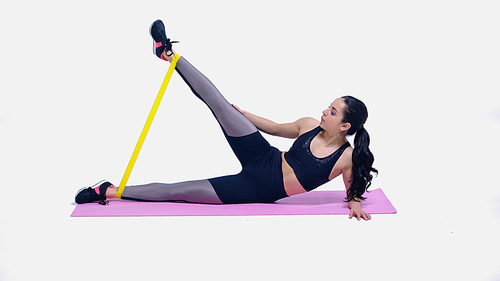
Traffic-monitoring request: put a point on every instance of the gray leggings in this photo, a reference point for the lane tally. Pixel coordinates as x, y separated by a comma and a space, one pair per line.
234, 125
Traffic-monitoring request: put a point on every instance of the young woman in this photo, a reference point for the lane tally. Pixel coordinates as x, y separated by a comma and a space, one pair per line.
320, 152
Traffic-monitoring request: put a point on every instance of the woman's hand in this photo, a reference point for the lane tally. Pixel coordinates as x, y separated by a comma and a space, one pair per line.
356, 211
239, 109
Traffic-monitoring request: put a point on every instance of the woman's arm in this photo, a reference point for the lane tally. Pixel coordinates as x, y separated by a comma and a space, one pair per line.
286, 130
354, 205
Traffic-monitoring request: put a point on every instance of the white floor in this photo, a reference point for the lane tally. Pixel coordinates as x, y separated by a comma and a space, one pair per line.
79, 79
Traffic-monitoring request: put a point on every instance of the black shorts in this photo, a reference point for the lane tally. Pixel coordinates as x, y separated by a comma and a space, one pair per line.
261, 178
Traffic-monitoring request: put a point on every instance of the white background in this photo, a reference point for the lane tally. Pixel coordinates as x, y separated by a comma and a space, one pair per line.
78, 80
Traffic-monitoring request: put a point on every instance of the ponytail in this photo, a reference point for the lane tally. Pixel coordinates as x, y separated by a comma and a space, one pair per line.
362, 158
362, 161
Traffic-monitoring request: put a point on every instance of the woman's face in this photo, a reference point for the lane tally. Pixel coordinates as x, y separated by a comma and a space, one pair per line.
331, 120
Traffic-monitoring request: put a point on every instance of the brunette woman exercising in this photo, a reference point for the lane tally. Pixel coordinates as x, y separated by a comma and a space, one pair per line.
320, 152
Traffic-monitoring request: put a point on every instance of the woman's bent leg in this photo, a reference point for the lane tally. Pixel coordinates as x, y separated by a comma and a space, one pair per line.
199, 191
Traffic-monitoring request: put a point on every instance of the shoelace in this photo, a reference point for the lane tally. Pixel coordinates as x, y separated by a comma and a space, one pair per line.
168, 46
103, 202
102, 199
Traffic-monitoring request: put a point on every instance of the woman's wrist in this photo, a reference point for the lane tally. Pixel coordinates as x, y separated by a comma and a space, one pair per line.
354, 203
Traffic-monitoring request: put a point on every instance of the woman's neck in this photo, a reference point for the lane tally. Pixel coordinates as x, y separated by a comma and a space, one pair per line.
332, 139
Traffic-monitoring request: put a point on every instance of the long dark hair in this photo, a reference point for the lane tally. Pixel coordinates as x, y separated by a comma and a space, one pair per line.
356, 114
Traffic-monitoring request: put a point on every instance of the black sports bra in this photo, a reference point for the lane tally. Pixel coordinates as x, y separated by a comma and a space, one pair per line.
310, 170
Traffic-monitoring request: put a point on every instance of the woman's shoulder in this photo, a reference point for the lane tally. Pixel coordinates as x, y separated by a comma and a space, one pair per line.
346, 158
343, 165
306, 124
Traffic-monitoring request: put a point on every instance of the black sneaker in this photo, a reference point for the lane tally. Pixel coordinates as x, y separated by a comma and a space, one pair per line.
89, 194
161, 42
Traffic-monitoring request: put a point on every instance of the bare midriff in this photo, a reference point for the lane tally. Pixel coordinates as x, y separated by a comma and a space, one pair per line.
290, 181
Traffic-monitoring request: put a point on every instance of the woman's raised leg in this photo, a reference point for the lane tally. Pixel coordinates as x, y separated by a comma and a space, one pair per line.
231, 120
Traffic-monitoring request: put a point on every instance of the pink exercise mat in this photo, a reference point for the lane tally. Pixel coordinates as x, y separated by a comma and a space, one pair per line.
310, 203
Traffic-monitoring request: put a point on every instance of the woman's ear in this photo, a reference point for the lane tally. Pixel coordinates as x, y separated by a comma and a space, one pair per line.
345, 127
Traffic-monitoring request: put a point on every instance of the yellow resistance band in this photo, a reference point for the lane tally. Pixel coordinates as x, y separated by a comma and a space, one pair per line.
147, 126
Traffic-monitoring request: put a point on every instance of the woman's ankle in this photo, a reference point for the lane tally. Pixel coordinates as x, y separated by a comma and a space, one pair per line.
111, 192
168, 55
